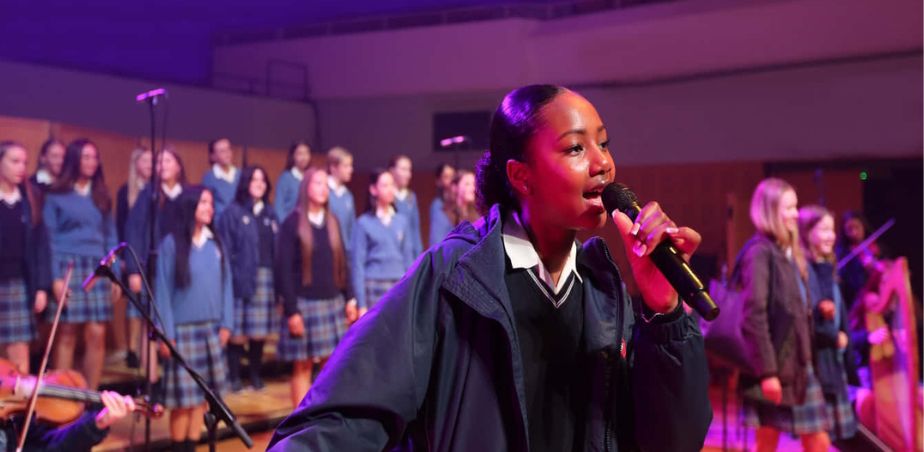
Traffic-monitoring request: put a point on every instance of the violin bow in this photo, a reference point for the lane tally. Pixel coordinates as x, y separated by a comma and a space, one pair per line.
866, 243
41, 372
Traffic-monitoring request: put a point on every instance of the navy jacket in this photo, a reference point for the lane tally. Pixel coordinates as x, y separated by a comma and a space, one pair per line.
38, 250
137, 232
240, 237
436, 364
831, 363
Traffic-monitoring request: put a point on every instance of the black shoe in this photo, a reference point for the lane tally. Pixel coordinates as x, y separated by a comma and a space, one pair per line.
236, 385
256, 382
132, 361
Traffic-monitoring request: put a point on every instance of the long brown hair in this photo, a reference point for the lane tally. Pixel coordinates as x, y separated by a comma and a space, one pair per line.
70, 172
305, 234
809, 217
454, 211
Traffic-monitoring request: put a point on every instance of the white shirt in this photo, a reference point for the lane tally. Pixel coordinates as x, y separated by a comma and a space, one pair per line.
297, 173
42, 176
385, 215
204, 236
172, 193
402, 194
316, 218
258, 207
522, 254
334, 187
85, 191
11, 198
227, 176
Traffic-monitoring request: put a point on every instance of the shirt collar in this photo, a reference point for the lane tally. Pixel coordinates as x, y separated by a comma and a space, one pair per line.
317, 218
11, 198
338, 189
204, 236
522, 254
44, 177
297, 173
85, 191
258, 207
385, 215
227, 176
172, 193
402, 194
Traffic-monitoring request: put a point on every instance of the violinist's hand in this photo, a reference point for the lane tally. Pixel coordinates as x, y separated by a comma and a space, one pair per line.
826, 309
640, 238
115, 407
41, 301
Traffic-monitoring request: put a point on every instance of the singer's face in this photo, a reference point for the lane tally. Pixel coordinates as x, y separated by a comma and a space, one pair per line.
789, 210
402, 173
54, 159
143, 165
318, 191
205, 210
89, 161
465, 191
169, 168
302, 157
222, 152
13, 165
568, 164
821, 237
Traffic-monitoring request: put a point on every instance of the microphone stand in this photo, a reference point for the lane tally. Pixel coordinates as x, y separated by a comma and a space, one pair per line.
218, 410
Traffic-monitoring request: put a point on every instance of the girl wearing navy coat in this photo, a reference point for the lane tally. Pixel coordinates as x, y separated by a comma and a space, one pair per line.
829, 311
512, 336
248, 231
291, 178
382, 243
25, 259
314, 283
195, 300
78, 215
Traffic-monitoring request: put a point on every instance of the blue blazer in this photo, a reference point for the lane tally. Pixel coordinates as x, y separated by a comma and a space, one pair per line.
240, 238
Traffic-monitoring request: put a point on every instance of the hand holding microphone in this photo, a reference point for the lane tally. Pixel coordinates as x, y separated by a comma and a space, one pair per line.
658, 251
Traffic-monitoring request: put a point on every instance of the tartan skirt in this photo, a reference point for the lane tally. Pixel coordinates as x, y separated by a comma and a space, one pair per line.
840, 413
809, 417
16, 321
199, 345
82, 307
325, 324
256, 316
376, 289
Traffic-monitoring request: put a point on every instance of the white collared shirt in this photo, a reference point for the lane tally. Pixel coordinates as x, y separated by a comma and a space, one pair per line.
338, 189
522, 254
297, 173
204, 236
316, 218
172, 193
227, 176
385, 215
258, 207
85, 191
11, 198
44, 177
402, 194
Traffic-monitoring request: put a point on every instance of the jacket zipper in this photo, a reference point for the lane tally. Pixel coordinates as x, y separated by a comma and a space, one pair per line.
608, 369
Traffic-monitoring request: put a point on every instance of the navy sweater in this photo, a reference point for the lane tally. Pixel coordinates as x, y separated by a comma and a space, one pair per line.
36, 250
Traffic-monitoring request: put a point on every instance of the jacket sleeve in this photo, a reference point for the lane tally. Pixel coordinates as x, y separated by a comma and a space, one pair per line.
375, 382
136, 231
50, 218
755, 289
357, 265
41, 262
227, 297
80, 435
287, 246
408, 246
164, 283
670, 383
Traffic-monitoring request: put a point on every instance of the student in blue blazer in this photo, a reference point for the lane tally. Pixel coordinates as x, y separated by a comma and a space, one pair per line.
512, 336
382, 246
78, 215
222, 177
195, 301
248, 230
406, 203
297, 162
25, 258
341, 204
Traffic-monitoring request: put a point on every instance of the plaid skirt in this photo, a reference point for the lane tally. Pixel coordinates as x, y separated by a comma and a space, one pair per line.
82, 307
325, 324
16, 320
376, 289
840, 413
256, 317
809, 417
198, 344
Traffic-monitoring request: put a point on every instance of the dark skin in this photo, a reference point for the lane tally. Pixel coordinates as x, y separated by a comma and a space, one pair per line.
567, 164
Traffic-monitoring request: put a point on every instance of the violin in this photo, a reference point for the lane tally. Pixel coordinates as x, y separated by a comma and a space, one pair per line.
62, 396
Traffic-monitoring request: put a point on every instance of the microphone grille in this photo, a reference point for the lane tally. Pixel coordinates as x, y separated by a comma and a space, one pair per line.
617, 196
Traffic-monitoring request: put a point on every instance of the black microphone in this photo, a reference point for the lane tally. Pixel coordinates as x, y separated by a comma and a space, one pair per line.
665, 256
104, 268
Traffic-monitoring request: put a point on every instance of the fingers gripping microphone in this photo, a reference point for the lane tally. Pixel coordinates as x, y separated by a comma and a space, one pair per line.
665, 256
104, 268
